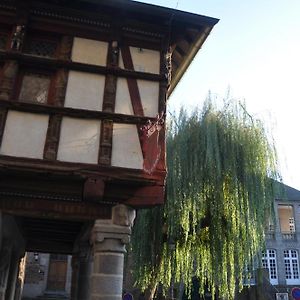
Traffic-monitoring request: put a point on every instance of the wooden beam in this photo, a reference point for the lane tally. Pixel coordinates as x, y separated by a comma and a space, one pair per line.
52, 137
73, 112
54, 64
109, 101
77, 211
39, 167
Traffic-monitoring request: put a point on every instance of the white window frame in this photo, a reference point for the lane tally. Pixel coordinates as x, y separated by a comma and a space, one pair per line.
269, 261
291, 264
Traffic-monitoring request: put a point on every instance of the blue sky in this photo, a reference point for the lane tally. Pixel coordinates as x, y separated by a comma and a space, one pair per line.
255, 51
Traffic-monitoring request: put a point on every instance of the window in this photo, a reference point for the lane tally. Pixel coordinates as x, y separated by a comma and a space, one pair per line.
287, 221
40, 47
291, 266
269, 262
35, 87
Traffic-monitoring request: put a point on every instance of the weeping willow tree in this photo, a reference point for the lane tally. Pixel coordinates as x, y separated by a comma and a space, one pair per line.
220, 188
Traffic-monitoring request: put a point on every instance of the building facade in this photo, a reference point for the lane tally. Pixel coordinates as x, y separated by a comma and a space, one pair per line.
83, 91
281, 257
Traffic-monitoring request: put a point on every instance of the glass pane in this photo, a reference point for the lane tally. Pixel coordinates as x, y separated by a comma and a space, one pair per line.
42, 48
3, 40
35, 88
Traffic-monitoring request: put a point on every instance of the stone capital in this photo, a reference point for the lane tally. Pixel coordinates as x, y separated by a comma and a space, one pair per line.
107, 237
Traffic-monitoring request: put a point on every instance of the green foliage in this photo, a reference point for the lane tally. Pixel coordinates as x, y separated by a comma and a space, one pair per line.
221, 167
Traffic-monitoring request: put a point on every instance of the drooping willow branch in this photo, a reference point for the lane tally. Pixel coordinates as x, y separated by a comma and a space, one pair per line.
221, 172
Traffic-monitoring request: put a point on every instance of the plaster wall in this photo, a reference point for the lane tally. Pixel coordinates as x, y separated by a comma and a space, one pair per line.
24, 134
85, 90
149, 92
89, 51
126, 151
79, 140
144, 60
123, 101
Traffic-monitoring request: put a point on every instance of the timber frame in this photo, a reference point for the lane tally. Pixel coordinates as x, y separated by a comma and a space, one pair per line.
78, 191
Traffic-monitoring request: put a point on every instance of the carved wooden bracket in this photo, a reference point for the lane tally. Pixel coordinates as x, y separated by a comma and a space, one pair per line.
93, 190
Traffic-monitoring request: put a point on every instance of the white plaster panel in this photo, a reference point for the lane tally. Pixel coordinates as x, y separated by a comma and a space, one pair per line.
24, 134
79, 140
126, 151
149, 92
85, 90
123, 101
144, 60
89, 51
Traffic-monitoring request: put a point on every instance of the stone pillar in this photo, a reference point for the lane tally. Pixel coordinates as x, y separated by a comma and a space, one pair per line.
5, 255
85, 269
81, 272
109, 240
75, 274
12, 277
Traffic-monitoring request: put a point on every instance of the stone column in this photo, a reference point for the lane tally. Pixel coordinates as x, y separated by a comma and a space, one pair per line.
12, 277
75, 274
85, 269
5, 255
109, 240
81, 272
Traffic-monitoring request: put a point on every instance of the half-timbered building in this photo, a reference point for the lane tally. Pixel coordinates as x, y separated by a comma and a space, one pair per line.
83, 90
